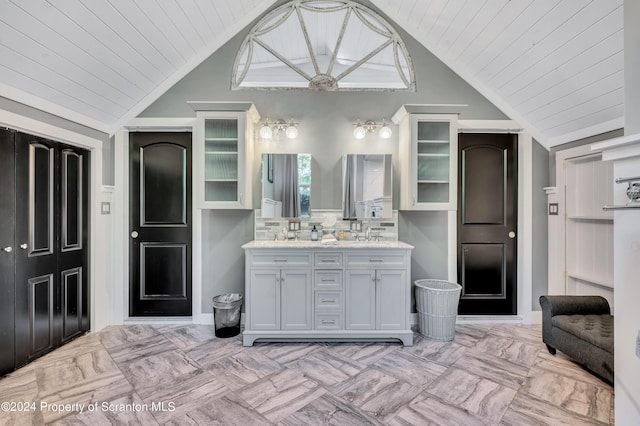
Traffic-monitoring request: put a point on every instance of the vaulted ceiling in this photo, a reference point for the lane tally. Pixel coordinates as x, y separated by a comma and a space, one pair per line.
554, 66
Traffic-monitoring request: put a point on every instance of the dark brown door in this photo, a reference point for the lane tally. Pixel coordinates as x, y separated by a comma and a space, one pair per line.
487, 223
160, 224
7, 251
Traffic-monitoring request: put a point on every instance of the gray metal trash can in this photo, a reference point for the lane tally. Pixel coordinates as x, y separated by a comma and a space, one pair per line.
227, 310
437, 305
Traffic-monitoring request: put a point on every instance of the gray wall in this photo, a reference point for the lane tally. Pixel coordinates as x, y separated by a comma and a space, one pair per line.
326, 133
539, 278
36, 114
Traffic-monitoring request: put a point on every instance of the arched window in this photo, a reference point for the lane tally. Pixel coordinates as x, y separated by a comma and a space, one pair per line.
323, 45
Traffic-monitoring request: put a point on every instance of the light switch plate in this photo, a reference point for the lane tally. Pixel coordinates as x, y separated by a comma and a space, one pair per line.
105, 207
553, 209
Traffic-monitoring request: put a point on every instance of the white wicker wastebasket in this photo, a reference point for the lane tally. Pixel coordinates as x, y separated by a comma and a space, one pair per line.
437, 305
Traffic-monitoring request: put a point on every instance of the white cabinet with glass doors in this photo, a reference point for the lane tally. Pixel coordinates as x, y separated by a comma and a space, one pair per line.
428, 146
223, 149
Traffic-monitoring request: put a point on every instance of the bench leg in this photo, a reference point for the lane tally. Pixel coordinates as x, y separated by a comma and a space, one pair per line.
551, 350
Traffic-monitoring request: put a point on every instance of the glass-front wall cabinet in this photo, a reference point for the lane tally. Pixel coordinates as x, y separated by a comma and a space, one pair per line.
433, 160
225, 149
428, 148
221, 160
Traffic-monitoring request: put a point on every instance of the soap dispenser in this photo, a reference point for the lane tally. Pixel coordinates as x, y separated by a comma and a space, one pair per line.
314, 234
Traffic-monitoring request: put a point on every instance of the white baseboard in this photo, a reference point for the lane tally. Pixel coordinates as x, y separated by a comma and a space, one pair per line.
489, 319
207, 319
536, 317
481, 319
158, 320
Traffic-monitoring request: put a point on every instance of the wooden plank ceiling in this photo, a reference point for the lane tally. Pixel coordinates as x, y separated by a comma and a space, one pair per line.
555, 66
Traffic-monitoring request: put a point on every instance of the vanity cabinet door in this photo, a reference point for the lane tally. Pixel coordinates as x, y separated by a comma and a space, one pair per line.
376, 299
296, 299
361, 299
264, 301
391, 299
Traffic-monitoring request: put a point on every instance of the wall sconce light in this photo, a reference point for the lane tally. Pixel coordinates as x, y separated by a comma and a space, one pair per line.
279, 126
361, 129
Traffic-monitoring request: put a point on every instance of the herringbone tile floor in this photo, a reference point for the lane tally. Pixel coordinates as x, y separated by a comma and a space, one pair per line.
489, 375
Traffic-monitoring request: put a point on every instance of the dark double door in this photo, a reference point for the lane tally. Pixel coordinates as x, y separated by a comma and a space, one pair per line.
487, 223
44, 224
160, 224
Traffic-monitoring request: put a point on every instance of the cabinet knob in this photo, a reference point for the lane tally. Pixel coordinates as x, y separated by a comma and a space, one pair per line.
512, 235
8, 249
24, 246
134, 234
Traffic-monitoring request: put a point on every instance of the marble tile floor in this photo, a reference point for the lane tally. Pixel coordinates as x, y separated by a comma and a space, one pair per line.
492, 374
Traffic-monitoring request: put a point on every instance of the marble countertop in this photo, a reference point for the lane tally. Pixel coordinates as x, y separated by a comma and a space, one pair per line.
300, 244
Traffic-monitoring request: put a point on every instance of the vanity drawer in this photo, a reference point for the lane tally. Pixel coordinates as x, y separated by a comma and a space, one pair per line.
328, 260
376, 259
328, 279
329, 300
329, 321
280, 259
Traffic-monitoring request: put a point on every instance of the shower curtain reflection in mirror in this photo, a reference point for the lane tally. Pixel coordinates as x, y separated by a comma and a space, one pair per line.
286, 184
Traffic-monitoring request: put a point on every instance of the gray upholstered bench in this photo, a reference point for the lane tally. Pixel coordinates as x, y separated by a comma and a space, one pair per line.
582, 328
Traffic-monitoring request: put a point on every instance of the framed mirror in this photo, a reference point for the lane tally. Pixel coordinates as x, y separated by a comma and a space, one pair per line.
366, 186
286, 185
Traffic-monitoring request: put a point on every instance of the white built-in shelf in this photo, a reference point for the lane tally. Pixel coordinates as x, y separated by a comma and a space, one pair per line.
591, 218
591, 280
588, 229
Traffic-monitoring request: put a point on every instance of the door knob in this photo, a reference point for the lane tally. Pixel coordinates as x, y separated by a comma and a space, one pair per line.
512, 235
8, 249
134, 234
24, 246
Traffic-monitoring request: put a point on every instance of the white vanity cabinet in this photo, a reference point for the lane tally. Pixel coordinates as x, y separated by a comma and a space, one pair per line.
328, 295
376, 290
278, 291
347, 292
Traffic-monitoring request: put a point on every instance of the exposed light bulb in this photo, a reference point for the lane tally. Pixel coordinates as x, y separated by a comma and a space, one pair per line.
385, 131
292, 131
266, 132
359, 132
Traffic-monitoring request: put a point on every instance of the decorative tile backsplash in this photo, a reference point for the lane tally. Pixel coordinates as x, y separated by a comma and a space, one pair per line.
325, 221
